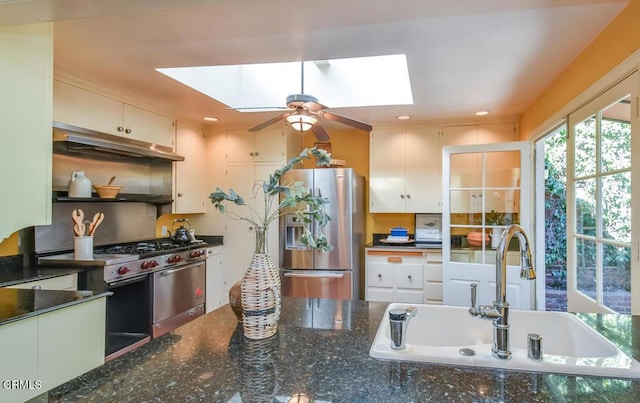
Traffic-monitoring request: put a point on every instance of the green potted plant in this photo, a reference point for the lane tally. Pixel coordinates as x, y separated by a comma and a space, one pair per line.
260, 285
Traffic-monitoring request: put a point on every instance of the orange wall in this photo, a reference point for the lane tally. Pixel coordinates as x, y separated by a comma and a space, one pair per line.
619, 40
9, 246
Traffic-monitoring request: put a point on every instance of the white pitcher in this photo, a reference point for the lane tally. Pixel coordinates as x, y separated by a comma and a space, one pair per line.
79, 185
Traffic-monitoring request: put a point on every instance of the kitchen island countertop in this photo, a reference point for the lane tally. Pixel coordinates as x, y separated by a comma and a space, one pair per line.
321, 352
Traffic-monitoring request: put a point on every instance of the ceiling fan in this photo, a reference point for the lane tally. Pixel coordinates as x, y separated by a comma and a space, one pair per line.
304, 111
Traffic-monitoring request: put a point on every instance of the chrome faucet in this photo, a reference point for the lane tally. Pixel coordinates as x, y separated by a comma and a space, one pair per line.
399, 320
499, 311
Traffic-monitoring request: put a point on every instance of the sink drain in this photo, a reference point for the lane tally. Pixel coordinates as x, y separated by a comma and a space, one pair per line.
467, 352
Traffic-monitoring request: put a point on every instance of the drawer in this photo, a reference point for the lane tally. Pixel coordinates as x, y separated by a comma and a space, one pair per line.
409, 297
435, 257
409, 277
433, 272
68, 282
379, 275
379, 294
433, 291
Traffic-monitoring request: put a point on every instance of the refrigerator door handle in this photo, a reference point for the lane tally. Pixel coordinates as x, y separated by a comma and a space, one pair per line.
314, 275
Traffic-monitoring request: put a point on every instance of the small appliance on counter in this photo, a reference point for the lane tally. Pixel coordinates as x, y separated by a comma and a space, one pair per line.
428, 231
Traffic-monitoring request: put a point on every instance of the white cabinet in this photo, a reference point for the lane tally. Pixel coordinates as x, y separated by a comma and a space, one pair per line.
68, 282
26, 74
268, 145
433, 278
485, 133
405, 170
83, 108
395, 276
190, 187
52, 348
217, 292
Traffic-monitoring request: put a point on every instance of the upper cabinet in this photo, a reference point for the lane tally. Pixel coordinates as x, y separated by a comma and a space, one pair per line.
25, 101
479, 134
268, 145
79, 107
190, 186
405, 170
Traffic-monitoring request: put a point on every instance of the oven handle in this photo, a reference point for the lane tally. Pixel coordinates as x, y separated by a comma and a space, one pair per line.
131, 280
314, 275
168, 272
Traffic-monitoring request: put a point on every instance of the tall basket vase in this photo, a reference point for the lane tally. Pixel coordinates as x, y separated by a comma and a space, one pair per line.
260, 292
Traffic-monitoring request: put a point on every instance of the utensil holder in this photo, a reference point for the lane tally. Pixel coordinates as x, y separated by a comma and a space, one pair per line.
83, 248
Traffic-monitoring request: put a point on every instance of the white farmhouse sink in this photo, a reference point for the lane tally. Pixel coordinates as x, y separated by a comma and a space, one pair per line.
437, 333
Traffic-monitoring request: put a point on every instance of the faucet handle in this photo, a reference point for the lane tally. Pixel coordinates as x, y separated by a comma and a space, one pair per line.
474, 294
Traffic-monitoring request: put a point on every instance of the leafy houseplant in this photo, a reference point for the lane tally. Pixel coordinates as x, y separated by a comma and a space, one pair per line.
260, 285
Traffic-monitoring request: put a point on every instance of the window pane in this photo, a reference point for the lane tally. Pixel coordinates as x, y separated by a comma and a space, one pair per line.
616, 136
616, 207
585, 147
502, 169
586, 267
502, 207
466, 206
586, 207
465, 170
617, 278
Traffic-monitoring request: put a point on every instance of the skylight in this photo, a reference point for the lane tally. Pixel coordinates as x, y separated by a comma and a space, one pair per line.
337, 83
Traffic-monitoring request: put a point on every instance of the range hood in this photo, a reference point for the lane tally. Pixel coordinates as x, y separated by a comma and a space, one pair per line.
69, 139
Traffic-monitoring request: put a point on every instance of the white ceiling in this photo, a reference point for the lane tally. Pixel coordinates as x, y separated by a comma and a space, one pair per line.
463, 56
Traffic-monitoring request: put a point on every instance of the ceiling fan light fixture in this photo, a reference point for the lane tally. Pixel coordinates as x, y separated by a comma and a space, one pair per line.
301, 122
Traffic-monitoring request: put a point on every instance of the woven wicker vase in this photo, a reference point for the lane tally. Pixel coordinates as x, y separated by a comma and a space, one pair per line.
260, 293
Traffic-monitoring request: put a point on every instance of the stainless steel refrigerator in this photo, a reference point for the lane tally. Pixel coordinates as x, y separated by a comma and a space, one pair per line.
305, 272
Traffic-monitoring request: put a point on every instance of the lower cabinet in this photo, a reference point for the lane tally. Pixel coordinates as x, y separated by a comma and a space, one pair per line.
44, 351
215, 286
410, 276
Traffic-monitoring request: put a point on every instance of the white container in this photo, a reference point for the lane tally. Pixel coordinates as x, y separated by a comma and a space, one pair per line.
79, 185
83, 248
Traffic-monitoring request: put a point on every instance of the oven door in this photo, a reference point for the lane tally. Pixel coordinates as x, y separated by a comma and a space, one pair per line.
128, 316
178, 296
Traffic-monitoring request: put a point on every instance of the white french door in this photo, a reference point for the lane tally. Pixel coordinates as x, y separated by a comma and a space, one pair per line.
486, 188
603, 203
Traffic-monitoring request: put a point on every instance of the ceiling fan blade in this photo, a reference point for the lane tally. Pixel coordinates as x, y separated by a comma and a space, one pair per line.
320, 133
345, 120
314, 106
242, 108
269, 122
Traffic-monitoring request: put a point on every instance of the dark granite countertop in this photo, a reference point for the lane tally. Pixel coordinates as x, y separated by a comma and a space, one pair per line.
18, 304
13, 277
321, 351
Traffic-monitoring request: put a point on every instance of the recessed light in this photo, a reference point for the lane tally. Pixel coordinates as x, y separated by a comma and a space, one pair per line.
210, 119
403, 117
482, 113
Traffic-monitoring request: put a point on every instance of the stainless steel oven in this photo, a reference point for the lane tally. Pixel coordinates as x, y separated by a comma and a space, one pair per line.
178, 296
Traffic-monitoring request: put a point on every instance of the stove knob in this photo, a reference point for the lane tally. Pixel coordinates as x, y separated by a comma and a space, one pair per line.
123, 270
154, 263
196, 254
174, 259
146, 265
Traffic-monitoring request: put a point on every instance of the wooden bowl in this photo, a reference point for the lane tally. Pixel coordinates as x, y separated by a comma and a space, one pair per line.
107, 191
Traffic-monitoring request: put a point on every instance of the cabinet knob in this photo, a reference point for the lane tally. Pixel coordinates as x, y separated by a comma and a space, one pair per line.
408, 196
257, 153
402, 196
179, 194
379, 275
120, 128
251, 227
251, 154
409, 276
127, 131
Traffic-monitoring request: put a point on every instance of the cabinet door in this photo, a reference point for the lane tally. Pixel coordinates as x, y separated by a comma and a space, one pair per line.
74, 336
78, 107
267, 145
215, 280
25, 101
18, 341
387, 172
190, 186
423, 172
140, 124
379, 274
